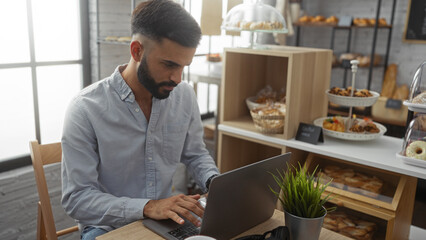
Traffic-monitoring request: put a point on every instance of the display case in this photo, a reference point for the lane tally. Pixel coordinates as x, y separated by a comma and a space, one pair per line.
254, 17
372, 192
417, 98
413, 150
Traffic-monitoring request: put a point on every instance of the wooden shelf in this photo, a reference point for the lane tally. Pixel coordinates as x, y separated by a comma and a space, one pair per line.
334, 25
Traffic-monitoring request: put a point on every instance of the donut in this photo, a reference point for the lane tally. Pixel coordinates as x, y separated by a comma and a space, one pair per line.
416, 149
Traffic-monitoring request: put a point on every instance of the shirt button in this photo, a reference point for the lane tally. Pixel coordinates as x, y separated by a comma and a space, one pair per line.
150, 184
150, 158
136, 109
123, 96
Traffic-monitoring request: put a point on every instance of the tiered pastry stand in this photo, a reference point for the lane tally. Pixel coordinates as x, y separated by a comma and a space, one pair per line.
351, 101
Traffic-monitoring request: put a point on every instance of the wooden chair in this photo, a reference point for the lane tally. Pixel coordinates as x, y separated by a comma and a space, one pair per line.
44, 155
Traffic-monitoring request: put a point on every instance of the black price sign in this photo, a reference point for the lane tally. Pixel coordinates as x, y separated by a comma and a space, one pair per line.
309, 133
393, 103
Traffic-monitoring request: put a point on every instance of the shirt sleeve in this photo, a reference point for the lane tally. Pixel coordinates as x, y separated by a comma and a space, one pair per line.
82, 195
195, 156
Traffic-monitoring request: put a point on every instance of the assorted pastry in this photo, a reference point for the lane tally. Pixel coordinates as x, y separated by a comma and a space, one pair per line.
118, 39
334, 124
365, 125
270, 118
420, 99
275, 109
337, 124
332, 20
256, 25
214, 57
349, 226
353, 181
364, 60
269, 95
347, 92
416, 149
364, 22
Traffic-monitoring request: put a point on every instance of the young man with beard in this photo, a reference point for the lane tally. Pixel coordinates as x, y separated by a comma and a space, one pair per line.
124, 136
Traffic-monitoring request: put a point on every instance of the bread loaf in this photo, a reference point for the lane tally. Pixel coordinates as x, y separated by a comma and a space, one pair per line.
401, 93
389, 83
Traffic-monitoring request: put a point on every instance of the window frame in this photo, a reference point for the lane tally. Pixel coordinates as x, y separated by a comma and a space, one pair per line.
24, 160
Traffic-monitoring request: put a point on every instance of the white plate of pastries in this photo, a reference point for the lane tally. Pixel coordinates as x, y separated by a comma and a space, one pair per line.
414, 154
335, 127
361, 98
418, 104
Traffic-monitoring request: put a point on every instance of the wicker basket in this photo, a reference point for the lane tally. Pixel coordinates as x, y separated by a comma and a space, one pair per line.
268, 124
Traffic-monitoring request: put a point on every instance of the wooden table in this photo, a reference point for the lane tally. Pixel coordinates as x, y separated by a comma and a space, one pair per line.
137, 230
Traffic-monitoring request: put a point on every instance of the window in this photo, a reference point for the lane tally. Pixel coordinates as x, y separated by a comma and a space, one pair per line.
207, 93
41, 69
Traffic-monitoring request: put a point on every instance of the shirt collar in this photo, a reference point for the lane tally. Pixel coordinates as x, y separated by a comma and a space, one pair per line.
120, 86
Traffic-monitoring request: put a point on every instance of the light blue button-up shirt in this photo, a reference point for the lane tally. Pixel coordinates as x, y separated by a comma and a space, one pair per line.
114, 161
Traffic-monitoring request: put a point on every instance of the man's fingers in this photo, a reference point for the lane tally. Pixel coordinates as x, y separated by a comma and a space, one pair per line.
175, 217
196, 196
196, 208
187, 215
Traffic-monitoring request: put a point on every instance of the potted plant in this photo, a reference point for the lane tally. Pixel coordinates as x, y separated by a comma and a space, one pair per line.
301, 200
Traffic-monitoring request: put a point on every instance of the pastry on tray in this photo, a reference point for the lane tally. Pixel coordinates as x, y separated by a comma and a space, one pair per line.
366, 125
420, 99
347, 92
350, 226
334, 124
351, 180
416, 149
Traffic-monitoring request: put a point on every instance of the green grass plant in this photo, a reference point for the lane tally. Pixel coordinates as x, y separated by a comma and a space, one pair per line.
301, 192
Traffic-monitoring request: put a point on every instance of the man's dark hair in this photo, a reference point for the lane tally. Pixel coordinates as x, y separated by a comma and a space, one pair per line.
158, 19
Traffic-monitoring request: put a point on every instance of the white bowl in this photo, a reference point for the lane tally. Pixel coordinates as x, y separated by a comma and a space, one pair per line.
252, 104
353, 101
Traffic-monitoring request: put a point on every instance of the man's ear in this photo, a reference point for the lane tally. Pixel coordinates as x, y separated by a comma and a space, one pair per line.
136, 50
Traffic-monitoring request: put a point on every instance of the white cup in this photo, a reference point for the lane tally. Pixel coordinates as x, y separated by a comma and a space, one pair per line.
200, 237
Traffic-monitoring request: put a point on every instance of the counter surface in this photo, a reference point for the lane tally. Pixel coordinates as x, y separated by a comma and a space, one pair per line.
379, 153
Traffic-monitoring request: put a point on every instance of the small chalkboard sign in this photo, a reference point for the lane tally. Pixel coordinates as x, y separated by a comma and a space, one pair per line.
393, 103
309, 133
415, 23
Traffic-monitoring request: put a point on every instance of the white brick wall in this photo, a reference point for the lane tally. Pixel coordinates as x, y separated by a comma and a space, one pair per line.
115, 17
408, 56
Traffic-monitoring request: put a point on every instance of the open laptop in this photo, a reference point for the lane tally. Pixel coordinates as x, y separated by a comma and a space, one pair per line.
238, 200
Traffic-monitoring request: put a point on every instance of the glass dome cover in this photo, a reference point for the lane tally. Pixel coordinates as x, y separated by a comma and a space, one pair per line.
414, 145
417, 98
256, 17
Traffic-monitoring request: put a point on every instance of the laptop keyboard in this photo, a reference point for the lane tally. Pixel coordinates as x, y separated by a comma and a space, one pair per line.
184, 231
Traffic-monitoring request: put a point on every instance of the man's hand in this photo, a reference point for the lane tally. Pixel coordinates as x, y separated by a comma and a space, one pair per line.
173, 207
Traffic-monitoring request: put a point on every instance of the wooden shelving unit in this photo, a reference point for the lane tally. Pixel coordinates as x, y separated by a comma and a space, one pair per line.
304, 73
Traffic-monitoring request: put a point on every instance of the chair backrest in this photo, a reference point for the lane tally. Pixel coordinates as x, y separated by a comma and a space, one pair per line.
43, 155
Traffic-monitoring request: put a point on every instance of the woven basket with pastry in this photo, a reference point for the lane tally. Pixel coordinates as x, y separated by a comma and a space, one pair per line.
269, 119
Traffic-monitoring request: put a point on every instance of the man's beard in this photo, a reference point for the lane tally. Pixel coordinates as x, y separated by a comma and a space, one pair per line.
149, 83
